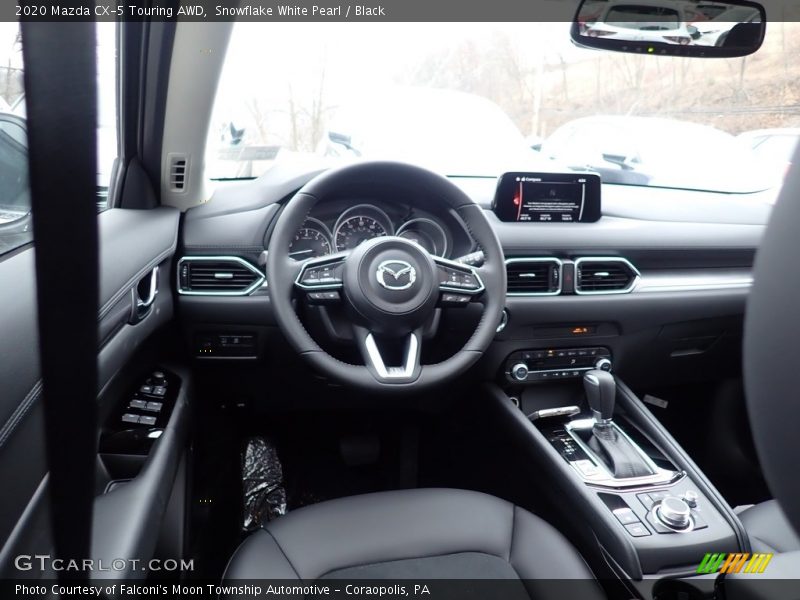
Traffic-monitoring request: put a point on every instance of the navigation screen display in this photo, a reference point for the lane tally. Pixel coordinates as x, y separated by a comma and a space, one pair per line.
548, 197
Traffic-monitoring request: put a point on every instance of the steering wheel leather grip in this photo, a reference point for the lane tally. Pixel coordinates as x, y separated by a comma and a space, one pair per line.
283, 273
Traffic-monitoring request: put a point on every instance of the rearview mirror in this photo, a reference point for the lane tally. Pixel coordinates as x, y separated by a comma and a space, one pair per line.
671, 28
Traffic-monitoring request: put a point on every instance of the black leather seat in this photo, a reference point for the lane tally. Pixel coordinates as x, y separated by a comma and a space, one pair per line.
769, 528
415, 534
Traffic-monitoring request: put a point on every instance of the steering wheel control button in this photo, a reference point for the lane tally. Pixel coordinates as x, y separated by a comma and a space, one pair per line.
317, 275
449, 299
674, 512
637, 529
329, 297
458, 278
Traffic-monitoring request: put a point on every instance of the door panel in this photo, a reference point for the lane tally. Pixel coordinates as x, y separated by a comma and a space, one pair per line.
132, 244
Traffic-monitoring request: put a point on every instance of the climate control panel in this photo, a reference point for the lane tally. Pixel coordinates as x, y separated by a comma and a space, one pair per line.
549, 364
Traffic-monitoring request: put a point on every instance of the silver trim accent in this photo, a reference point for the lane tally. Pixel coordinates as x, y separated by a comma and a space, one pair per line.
152, 293
245, 292
409, 363
559, 263
405, 225
653, 513
605, 478
383, 268
636, 275
695, 282
561, 411
503, 321
463, 268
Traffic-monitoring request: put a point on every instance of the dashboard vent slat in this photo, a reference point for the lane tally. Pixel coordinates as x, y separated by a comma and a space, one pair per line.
217, 276
178, 171
604, 276
533, 276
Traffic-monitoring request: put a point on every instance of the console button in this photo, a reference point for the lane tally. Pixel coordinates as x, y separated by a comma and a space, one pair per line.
146, 389
673, 512
658, 496
626, 516
690, 497
587, 468
637, 529
646, 500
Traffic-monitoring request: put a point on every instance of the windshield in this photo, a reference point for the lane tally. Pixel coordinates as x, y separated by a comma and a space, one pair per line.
475, 99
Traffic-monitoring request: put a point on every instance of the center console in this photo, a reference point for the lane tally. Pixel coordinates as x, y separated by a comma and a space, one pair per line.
653, 512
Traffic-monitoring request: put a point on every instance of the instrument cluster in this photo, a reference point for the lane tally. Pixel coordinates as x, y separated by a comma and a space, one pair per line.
363, 222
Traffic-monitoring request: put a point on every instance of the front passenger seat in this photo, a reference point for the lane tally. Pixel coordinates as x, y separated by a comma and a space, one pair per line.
417, 534
769, 529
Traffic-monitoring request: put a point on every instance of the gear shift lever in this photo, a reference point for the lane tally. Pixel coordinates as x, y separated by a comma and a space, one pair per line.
600, 390
619, 454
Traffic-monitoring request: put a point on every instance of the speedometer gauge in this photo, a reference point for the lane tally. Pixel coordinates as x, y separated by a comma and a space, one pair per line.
358, 224
311, 240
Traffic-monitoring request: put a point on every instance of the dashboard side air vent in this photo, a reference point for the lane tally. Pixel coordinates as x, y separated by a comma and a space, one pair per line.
178, 171
609, 275
217, 276
533, 276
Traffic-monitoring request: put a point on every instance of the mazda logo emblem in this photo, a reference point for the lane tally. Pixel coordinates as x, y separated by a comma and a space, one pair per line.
396, 275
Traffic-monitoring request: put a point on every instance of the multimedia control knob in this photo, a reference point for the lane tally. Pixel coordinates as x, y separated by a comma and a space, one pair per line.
674, 513
519, 371
603, 364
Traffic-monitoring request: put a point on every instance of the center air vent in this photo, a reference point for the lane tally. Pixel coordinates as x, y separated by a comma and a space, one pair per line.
217, 276
604, 276
533, 276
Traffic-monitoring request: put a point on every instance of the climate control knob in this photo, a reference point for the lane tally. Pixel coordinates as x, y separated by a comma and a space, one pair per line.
674, 512
603, 364
519, 371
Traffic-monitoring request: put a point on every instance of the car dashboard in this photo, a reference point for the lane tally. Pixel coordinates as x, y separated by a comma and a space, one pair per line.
664, 298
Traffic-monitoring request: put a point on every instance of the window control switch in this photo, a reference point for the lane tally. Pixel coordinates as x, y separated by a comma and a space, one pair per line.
130, 418
147, 420
153, 406
138, 404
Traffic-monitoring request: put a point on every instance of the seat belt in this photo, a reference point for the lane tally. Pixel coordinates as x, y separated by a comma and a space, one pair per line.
61, 105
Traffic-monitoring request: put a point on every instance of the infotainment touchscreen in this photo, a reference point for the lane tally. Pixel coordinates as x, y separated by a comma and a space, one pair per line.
548, 197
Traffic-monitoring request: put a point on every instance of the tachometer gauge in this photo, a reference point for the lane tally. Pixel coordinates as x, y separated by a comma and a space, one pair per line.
311, 240
358, 224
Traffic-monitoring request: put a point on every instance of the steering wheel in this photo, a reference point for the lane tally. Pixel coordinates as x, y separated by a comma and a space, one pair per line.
390, 286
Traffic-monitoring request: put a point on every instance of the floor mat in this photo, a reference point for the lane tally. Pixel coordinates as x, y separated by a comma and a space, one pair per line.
262, 484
